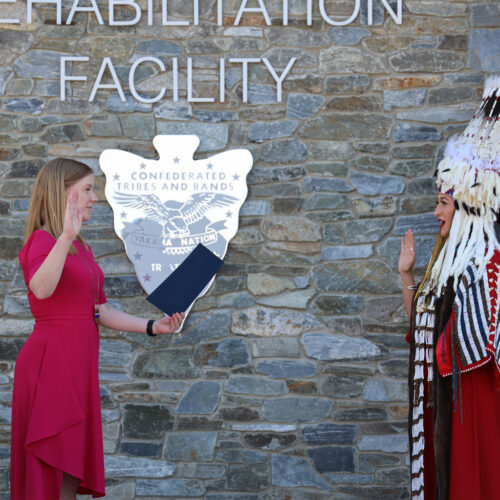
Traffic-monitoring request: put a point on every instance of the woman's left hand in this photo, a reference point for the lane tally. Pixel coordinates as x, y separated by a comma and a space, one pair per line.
168, 324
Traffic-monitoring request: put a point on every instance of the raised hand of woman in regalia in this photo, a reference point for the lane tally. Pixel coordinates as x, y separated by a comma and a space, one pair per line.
407, 259
407, 256
73, 217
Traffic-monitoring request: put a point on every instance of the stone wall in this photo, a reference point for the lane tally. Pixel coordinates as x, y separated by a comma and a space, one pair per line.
289, 381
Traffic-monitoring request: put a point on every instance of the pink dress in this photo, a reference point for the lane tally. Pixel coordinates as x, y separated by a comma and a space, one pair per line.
56, 411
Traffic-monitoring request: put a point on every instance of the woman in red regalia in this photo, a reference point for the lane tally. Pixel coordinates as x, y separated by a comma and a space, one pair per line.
56, 449
454, 376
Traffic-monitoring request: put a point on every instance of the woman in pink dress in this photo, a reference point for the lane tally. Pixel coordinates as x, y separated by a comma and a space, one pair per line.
57, 448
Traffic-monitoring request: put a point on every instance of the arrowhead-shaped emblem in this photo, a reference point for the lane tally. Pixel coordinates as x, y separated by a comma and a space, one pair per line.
163, 208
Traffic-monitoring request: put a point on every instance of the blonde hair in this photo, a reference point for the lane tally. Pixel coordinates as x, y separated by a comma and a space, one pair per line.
48, 197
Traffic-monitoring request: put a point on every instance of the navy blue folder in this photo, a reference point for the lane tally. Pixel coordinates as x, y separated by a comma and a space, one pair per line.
182, 286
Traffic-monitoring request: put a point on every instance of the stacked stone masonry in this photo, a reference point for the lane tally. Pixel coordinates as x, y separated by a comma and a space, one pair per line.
289, 380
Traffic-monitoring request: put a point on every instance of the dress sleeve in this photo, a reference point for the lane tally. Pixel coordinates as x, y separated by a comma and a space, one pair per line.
40, 245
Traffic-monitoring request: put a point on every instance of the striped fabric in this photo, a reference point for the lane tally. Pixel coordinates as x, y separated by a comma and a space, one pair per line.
477, 322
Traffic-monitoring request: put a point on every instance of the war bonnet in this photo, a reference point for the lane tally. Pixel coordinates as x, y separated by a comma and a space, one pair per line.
470, 172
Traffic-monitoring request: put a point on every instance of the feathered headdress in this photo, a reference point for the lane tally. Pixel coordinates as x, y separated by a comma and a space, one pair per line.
470, 172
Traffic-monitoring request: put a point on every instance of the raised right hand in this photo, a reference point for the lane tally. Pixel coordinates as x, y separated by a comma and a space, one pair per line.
407, 256
72, 217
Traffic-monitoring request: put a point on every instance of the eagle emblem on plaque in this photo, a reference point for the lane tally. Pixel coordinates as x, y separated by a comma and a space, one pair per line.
164, 207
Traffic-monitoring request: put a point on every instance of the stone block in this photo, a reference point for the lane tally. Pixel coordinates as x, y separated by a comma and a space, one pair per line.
169, 488
63, 133
290, 471
230, 496
399, 475
373, 185
171, 363
325, 150
255, 207
385, 390
325, 201
123, 466
214, 116
419, 223
25, 168
140, 449
276, 347
370, 163
324, 347
258, 93
343, 386
285, 368
452, 42
410, 132
301, 106
329, 433
296, 37
369, 462
391, 443
39, 64
356, 84
369, 207
262, 131
270, 322
287, 206
350, 277
120, 490
224, 354
275, 174
32, 105
332, 458
6, 74
337, 304
245, 384
346, 252
403, 98
190, 446
270, 441
453, 95
290, 229
485, 14
200, 327
284, 151
438, 115
426, 61
325, 184
213, 136
240, 414
417, 151
412, 168
247, 478
482, 53
146, 421
296, 409
160, 47
297, 300
350, 60
347, 36
368, 230
237, 456
346, 127
201, 398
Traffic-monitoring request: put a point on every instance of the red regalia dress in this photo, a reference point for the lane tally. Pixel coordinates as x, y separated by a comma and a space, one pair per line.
462, 423
56, 412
